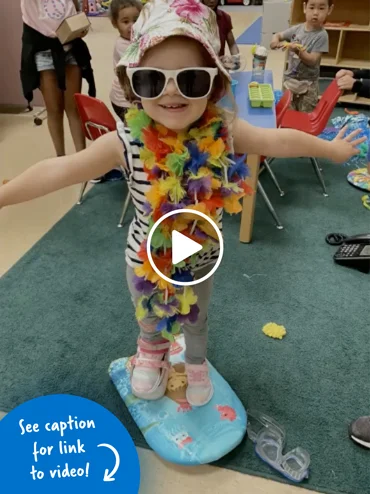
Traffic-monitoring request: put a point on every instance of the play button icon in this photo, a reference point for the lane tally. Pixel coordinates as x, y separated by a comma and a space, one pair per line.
183, 247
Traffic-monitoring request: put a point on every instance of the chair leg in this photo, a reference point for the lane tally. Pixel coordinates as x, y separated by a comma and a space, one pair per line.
273, 177
82, 191
124, 210
317, 169
269, 205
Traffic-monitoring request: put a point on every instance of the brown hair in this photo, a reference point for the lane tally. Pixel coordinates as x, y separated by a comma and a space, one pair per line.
330, 2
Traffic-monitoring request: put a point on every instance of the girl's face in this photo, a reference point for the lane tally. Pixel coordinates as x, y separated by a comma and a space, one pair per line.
173, 110
126, 18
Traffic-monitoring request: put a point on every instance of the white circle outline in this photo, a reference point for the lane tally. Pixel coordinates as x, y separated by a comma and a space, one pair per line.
187, 211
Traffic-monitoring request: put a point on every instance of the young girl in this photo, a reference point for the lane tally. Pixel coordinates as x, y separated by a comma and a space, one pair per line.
124, 14
177, 151
55, 69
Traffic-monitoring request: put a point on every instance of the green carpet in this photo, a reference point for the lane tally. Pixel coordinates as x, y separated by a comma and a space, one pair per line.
66, 314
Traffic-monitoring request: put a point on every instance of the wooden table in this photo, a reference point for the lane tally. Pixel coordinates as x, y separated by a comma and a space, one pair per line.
259, 117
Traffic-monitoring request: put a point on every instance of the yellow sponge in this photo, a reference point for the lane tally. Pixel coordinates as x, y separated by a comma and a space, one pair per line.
300, 47
273, 330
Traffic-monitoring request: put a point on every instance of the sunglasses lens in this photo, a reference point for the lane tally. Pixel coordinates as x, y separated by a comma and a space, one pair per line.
148, 83
194, 83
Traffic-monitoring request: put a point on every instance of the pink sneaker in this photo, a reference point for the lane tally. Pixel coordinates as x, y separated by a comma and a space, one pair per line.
149, 375
200, 390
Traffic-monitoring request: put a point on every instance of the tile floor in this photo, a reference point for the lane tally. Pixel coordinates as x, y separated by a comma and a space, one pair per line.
23, 225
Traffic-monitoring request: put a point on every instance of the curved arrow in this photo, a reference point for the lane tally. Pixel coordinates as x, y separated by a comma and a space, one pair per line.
109, 477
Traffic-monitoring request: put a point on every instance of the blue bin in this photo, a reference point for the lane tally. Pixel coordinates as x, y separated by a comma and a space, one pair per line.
234, 83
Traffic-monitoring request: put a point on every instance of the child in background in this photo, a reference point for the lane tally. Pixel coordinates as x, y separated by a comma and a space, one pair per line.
225, 29
307, 42
178, 152
124, 14
54, 69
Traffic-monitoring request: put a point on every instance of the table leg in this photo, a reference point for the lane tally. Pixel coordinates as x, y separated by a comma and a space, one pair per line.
249, 201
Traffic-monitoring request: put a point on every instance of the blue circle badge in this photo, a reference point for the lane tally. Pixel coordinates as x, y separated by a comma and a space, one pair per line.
66, 444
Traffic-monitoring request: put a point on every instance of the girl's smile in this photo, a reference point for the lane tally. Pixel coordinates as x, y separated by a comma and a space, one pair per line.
174, 107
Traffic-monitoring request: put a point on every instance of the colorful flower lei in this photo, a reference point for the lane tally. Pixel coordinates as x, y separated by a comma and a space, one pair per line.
195, 171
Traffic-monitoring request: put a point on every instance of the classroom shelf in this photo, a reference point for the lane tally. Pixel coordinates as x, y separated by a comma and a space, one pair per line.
351, 27
354, 63
328, 61
345, 63
353, 99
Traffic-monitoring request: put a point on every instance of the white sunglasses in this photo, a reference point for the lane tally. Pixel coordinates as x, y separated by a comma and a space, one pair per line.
191, 83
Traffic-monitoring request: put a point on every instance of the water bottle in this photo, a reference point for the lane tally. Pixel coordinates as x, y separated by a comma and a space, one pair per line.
259, 64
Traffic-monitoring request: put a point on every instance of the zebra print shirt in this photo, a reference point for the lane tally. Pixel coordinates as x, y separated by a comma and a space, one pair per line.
138, 185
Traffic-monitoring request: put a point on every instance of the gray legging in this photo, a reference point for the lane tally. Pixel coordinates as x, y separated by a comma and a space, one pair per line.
196, 335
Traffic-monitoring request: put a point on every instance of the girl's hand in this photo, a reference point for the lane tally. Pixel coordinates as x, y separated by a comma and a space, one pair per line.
343, 148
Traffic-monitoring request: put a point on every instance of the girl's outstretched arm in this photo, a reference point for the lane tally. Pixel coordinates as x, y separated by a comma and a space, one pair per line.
57, 173
289, 143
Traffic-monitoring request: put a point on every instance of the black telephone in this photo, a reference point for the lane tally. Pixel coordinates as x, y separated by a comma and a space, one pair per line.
355, 252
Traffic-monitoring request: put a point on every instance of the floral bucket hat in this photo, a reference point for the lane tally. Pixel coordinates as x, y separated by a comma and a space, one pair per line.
160, 19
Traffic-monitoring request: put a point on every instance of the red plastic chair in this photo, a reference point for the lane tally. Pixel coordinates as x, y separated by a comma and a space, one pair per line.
95, 117
96, 120
315, 122
282, 107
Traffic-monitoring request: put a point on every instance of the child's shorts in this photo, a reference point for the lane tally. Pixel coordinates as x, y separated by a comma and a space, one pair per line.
306, 102
305, 94
44, 60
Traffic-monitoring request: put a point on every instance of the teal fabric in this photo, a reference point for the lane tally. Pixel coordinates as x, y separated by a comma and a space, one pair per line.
66, 315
